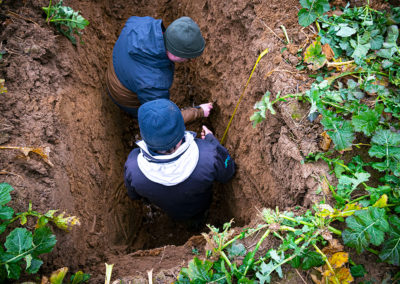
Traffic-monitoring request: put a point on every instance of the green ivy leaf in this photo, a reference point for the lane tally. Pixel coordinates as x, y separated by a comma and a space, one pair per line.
354, 182
340, 131
198, 272
366, 121
358, 270
264, 273
236, 249
13, 270
5, 190
6, 213
306, 17
311, 259
35, 265
385, 144
44, 240
386, 138
361, 50
365, 227
18, 241
391, 248
345, 31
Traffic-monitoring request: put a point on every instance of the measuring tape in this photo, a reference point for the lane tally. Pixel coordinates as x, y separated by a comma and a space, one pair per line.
241, 96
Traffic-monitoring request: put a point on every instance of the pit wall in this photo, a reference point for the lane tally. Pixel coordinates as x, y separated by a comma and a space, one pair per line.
62, 92
268, 157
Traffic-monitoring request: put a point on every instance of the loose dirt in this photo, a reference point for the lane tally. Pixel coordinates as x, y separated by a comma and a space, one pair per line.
57, 99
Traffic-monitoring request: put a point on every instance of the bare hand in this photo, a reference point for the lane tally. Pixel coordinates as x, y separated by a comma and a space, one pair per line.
205, 131
206, 108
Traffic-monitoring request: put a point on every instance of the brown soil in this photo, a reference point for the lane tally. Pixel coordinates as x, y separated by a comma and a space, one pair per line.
56, 98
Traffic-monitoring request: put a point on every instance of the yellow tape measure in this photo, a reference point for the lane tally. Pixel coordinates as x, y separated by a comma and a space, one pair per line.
241, 96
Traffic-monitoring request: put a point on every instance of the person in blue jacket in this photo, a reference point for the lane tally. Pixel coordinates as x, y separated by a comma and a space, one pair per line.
171, 168
142, 64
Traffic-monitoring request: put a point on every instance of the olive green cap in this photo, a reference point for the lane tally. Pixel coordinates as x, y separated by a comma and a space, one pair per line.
183, 38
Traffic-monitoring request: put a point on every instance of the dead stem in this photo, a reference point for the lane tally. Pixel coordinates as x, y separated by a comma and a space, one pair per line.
271, 31
15, 15
301, 277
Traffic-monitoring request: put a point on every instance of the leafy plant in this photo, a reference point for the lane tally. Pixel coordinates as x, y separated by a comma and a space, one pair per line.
357, 96
66, 20
22, 246
57, 277
311, 10
299, 236
266, 104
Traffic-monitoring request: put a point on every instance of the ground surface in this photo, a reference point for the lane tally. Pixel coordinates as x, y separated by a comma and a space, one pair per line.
56, 98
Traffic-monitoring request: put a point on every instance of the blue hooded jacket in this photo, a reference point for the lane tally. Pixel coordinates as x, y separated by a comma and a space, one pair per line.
191, 197
140, 59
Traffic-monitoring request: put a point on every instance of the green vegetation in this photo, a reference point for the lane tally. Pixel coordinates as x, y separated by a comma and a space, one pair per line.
57, 277
66, 20
357, 96
23, 247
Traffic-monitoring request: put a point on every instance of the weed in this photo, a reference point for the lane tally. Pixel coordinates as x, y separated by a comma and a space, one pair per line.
66, 20
357, 94
22, 246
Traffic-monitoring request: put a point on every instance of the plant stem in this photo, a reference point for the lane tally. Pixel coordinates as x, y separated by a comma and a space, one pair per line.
359, 198
330, 64
48, 12
64, 20
286, 35
226, 260
373, 251
325, 258
286, 97
238, 236
356, 72
250, 262
294, 220
335, 231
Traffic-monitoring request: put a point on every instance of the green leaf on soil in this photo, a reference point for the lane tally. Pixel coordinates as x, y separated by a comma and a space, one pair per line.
365, 227
366, 121
35, 265
6, 213
198, 271
44, 240
237, 249
313, 55
19, 241
346, 31
391, 248
5, 190
358, 270
340, 131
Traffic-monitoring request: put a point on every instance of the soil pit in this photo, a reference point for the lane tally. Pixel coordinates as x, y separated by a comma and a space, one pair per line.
56, 98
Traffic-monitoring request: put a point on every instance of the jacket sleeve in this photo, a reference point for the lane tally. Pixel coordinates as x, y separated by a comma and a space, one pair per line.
191, 113
151, 94
128, 184
224, 164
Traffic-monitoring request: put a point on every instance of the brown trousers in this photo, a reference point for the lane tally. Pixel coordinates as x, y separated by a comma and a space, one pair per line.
126, 98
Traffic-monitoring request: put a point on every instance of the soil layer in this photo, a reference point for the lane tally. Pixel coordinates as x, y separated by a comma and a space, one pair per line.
57, 100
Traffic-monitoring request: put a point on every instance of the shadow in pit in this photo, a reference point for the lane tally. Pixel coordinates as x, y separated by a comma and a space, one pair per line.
140, 226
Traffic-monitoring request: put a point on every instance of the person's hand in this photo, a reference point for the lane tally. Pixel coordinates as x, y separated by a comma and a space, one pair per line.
206, 108
205, 131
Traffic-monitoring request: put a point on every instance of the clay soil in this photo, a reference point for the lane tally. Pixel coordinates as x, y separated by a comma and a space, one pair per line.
57, 100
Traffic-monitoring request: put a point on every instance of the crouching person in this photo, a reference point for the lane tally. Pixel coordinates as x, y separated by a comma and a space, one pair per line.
171, 168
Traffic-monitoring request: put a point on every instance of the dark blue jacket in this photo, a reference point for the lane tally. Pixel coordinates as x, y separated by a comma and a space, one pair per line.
191, 197
140, 59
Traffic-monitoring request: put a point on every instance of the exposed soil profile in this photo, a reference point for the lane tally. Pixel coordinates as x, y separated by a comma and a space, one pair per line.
57, 99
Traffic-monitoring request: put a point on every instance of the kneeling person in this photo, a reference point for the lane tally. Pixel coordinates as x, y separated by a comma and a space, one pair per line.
171, 168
